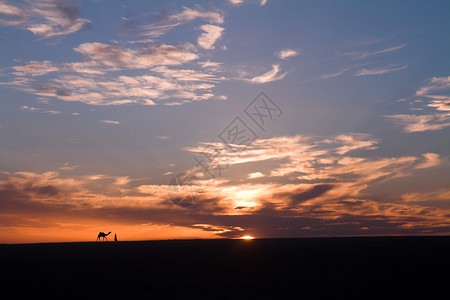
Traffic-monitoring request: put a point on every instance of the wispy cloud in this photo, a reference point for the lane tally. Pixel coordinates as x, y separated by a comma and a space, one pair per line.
236, 2
110, 122
441, 103
177, 19
211, 34
287, 53
163, 137
92, 81
255, 175
45, 18
119, 57
421, 123
352, 142
433, 94
362, 55
41, 110
99, 88
190, 14
434, 84
378, 71
272, 75
239, 2
215, 66
431, 160
332, 75
68, 167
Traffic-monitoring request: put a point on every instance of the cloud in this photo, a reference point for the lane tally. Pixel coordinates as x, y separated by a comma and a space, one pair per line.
13, 15
432, 196
190, 14
186, 75
355, 141
153, 31
434, 84
45, 18
272, 75
332, 75
431, 160
36, 68
92, 80
118, 57
163, 84
429, 91
311, 193
163, 137
211, 65
441, 103
287, 53
421, 123
110, 122
207, 39
255, 175
68, 167
362, 55
240, 2
39, 68
311, 159
187, 15
432, 94
41, 110
236, 2
378, 71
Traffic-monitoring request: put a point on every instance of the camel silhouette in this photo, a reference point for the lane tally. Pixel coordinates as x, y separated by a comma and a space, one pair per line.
102, 235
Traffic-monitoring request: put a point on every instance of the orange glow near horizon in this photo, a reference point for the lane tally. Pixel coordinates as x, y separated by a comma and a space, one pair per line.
89, 233
247, 237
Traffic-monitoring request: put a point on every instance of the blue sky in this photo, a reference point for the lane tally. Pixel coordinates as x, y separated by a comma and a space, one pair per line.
103, 103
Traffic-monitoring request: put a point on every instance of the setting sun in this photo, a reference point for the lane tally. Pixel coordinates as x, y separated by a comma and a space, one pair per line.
247, 237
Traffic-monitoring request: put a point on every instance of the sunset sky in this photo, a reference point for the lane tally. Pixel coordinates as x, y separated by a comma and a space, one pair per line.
276, 119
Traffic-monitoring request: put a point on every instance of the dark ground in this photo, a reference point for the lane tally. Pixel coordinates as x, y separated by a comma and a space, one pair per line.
322, 268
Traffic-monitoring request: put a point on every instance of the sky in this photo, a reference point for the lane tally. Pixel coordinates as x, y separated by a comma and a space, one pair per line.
223, 119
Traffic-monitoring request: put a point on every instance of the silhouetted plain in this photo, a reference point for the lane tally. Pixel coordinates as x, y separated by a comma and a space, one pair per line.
331, 268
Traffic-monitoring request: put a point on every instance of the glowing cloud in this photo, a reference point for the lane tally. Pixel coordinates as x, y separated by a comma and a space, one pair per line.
287, 53
212, 34
272, 75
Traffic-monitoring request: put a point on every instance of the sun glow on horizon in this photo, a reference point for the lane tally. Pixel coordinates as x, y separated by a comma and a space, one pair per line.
247, 237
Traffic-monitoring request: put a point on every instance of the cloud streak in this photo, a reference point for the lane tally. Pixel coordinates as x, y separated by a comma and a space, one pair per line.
41, 110
272, 75
362, 55
378, 71
421, 123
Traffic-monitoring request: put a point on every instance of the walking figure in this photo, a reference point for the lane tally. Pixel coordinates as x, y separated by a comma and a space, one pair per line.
115, 237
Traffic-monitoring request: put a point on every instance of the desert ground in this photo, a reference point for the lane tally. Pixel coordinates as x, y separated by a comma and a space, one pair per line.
304, 268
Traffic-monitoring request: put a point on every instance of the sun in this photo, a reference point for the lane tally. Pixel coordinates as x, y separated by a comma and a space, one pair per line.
247, 237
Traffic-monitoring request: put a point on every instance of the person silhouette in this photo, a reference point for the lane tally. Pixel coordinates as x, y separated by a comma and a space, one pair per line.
115, 237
